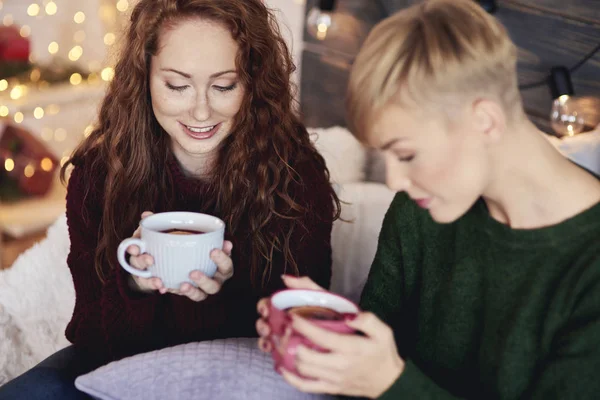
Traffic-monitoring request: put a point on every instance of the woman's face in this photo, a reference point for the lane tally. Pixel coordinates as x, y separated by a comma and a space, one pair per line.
195, 89
442, 166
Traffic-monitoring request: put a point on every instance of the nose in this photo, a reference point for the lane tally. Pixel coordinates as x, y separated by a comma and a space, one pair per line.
201, 110
396, 177
397, 183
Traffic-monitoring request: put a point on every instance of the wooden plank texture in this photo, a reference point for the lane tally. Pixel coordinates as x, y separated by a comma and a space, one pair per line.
323, 89
583, 10
547, 40
547, 33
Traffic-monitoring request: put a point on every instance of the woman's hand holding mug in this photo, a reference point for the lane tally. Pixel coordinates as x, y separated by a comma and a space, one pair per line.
328, 360
174, 249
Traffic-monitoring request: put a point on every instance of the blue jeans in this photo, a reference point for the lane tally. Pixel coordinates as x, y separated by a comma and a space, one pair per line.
51, 379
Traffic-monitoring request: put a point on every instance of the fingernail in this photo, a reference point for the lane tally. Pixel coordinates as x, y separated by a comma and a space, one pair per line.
197, 275
264, 345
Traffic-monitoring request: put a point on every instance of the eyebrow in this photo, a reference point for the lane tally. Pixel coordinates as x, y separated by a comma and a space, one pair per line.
390, 143
215, 75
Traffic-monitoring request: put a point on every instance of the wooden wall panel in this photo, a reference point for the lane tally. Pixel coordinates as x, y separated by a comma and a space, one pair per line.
545, 40
323, 89
584, 10
547, 32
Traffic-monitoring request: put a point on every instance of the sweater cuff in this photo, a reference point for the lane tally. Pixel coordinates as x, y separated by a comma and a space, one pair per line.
414, 384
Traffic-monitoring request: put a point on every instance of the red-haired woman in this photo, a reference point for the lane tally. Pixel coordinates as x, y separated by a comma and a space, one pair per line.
199, 117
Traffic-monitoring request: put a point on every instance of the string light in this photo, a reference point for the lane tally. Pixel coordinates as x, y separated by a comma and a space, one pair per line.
47, 134
109, 39
75, 53
52, 109
29, 171
17, 92
53, 48
107, 13
60, 135
122, 5
19, 117
35, 75
46, 164
107, 74
3, 85
51, 8
79, 17
25, 31
93, 78
88, 130
9, 164
8, 20
33, 10
3, 111
38, 113
75, 79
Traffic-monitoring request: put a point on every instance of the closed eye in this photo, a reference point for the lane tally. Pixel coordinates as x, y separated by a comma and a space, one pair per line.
225, 88
176, 88
406, 158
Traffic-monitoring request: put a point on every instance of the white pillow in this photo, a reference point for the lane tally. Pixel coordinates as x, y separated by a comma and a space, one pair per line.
354, 243
36, 303
344, 155
216, 370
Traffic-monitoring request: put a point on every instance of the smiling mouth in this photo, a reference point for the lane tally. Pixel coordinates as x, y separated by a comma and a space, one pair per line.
201, 130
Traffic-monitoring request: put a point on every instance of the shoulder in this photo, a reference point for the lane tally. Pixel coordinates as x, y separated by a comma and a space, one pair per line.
581, 275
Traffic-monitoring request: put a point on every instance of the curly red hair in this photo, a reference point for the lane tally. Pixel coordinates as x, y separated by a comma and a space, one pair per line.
253, 179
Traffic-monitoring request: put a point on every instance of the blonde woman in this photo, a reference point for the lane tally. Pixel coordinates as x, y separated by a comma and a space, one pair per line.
486, 283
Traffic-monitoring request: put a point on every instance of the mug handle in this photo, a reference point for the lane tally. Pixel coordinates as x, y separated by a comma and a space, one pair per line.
121, 257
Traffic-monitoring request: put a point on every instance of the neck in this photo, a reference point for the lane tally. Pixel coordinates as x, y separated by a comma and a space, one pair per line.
532, 185
197, 166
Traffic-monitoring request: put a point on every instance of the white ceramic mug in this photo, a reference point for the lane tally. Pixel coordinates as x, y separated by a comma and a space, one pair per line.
176, 255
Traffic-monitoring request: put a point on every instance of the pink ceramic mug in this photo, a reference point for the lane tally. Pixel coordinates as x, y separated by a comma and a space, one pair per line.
285, 345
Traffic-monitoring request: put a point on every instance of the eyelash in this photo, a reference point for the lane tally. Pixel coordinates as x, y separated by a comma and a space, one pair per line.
219, 88
226, 88
406, 159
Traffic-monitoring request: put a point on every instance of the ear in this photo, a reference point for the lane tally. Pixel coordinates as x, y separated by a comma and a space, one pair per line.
489, 119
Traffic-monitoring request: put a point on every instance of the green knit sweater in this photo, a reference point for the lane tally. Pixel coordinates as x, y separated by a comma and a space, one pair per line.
483, 311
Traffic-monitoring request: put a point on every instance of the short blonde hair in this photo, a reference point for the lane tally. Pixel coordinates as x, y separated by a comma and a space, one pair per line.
430, 50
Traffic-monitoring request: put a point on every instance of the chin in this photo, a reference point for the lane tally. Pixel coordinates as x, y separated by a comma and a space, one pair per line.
446, 216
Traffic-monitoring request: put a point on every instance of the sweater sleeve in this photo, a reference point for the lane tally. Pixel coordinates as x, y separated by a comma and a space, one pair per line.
382, 294
109, 319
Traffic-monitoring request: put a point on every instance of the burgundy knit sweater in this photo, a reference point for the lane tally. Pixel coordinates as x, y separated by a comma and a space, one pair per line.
111, 321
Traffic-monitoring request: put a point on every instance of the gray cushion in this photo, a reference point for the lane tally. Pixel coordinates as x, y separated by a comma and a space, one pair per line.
220, 369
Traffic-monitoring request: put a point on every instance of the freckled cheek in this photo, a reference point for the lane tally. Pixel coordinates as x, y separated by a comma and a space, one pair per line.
227, 105
169, 105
